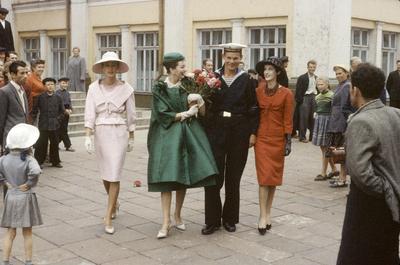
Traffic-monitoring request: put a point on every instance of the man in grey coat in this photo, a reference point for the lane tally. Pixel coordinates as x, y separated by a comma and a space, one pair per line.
13, 101
371, 225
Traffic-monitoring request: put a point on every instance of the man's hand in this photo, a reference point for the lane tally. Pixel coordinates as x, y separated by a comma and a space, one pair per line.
252, 140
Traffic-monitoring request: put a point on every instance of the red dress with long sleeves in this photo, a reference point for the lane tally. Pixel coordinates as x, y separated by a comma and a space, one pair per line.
276, 113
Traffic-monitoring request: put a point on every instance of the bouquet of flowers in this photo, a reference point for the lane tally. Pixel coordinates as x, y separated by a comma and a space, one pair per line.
203, 83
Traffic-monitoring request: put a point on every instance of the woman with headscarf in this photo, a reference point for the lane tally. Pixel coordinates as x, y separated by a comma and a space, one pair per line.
273, 136
107, 101
341, 109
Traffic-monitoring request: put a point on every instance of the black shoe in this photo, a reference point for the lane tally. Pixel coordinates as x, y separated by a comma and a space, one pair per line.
229, 227
262, 231
41, 166
57, 165
209, 229
69, 149
268, 227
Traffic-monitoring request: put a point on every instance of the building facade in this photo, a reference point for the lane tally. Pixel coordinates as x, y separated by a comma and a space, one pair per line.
329, 31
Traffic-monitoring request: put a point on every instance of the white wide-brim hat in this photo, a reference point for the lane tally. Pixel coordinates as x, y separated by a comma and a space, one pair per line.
110, 57
341, 66
22, 136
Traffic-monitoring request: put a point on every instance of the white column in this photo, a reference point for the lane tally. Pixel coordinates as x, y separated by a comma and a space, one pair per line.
378, 46
45, 52
79, 22
238, 31
239, 35
174, 26
321, 31
126, 50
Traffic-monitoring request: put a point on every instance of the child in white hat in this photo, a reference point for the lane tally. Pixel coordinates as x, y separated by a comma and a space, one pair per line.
20, 172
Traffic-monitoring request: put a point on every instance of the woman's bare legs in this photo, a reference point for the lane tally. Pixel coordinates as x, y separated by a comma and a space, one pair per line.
180, 197
113, 192
266, 197
166, 198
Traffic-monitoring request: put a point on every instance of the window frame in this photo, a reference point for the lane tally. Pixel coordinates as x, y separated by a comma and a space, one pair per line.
31, 50
154, 48
213, 49
279, 48
390, 50
57, 73
361, 48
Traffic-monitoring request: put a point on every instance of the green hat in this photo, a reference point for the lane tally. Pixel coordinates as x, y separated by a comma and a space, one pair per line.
173, 57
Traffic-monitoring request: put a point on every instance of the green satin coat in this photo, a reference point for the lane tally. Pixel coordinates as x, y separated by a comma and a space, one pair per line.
180, 155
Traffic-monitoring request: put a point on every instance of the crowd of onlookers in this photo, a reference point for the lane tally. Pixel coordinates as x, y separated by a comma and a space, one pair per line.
42, 105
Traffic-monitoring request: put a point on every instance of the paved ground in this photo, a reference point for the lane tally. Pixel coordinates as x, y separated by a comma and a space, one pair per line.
306, 224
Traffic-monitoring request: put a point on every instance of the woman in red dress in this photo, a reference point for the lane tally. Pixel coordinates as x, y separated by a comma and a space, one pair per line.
273, 140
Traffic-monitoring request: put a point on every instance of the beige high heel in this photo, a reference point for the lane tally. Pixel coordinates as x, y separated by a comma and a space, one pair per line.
109, 229
163, 233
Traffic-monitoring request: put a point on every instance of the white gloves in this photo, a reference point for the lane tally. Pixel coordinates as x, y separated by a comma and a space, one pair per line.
88, 144
193, 110
196, 97
131, 140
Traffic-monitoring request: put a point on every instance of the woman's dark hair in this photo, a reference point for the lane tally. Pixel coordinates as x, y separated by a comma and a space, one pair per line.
252, 71
14, 66
369, 79
169, 65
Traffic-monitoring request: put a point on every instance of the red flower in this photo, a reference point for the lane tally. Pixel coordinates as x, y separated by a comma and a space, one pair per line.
137, 183
200, 80
217, 84
211, 75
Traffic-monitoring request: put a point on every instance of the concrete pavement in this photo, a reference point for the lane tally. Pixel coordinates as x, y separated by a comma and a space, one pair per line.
306, 224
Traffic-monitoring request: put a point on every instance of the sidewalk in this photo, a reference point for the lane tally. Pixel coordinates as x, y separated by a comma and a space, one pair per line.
306, 224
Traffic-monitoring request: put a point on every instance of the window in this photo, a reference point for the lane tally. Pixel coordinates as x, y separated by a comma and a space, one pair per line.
209, 44
31, 49
360, 42
109, 43
59, 56
266, 42
389, 50
146, 46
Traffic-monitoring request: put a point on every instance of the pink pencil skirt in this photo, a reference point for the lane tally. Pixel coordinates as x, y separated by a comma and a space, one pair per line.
111, 142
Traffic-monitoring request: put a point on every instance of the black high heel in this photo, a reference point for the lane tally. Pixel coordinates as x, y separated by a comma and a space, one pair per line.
268, 226
262, 231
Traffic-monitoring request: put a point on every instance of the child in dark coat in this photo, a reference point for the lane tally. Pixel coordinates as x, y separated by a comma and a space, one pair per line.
51, 111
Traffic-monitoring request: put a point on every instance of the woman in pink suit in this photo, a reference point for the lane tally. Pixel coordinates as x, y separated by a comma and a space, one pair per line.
107, 101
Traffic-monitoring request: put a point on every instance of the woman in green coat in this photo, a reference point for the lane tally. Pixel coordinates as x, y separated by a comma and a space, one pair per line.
180, 155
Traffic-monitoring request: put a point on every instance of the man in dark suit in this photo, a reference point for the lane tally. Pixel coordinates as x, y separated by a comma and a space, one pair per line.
13, 101
393, 87
6, 36
306, 90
